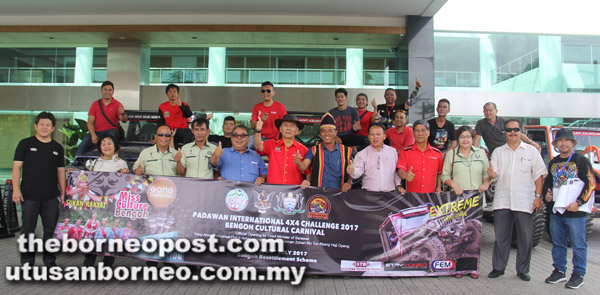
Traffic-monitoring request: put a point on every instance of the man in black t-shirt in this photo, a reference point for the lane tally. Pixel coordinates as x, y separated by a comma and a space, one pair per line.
385, 113
40, 160
225, 139
442, 134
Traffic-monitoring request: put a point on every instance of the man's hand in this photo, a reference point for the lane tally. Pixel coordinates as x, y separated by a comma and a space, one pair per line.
537, 204
209, 116
483, 188
297, 158
305, 183
259, 124
17, 197
438, 189
356, 126
549, 196
259, 180
124, 170
410, 175
178, 155
178, 101
218, 151
491, 172
374, 104
573, 207
401, 189
419, 84
537, 146
338, 140
350, 168
139, 170
346, 186
94, 138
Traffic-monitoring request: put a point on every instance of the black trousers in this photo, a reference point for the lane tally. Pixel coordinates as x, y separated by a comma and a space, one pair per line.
31, 211
359, 141
182, 136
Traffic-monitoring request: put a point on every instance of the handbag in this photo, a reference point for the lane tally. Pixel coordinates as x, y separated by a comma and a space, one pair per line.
121, 130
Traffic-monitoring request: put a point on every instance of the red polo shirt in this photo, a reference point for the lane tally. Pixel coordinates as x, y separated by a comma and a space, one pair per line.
112, 112
174, 117
282, 169
400, 140
274, 112
426, 166
365, 122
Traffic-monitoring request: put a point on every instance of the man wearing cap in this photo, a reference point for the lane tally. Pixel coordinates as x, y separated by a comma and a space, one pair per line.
569, 170
376, 164
281, 152
329, 160
421, 164
520, 170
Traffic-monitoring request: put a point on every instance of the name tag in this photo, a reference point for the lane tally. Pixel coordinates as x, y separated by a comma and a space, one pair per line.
187, 157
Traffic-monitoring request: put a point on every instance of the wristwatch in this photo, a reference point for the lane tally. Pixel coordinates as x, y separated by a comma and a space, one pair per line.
538, 196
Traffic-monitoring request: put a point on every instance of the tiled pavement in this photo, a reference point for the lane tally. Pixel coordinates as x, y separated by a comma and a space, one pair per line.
508, 284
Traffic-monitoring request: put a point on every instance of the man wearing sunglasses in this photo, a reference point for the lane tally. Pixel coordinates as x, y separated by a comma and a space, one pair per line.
239, 162
268, 110
158, 159
520, 170
193, 159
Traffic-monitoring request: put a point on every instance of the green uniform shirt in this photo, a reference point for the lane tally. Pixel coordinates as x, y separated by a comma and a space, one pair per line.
156, 163
468, 172
197, 160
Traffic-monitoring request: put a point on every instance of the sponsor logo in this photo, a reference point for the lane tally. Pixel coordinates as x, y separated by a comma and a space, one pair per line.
318, 206
407, 266
167, 114
161, 192
289, 204
262, 201
443, 265
350, 265
236, 200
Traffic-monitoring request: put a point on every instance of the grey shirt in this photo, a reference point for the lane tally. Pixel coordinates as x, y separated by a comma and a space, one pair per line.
493, 135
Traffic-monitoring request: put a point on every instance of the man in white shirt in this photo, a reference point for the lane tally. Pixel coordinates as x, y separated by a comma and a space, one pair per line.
520, 170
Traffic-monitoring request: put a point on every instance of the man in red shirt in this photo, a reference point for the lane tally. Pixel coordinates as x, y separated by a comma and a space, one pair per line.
401, 135
365, 116
421, 164
268, 111
175, 114
281, 152
97, 124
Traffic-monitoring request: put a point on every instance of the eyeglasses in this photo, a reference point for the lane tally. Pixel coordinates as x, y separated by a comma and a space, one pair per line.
265, 90
507, 130
163, 134
240, 136
465, 137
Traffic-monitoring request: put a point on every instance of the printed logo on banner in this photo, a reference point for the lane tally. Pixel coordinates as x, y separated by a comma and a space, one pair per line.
407, 266
262, 201
289, 204
161, 192
350, 265
442, 265
318, 207
236, 200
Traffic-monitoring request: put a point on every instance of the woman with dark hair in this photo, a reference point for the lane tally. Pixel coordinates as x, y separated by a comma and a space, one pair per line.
108, 161
465, 168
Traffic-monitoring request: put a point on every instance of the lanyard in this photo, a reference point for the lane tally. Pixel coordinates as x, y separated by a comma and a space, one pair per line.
559, 173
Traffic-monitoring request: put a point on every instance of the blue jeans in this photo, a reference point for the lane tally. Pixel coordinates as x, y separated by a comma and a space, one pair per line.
573, 229
86, 143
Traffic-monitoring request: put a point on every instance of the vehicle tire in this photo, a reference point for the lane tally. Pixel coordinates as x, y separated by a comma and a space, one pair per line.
473, 228
539, 227
430, 250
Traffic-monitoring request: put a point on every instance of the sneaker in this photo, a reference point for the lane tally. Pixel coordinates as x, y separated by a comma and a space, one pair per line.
575, 281
557, 276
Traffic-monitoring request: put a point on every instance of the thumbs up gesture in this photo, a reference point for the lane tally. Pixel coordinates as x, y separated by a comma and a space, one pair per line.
178, 155
410, 175
297, 157
350, 168
259, 123
219, 150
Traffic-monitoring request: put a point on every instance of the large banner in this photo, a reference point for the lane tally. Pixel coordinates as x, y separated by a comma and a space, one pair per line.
357, 233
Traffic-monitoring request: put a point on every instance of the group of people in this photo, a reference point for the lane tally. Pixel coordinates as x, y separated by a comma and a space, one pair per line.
391, 156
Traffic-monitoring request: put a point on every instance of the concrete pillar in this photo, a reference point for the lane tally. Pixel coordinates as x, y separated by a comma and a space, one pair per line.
124, 63
550, 70
487, 62
419, 38
217, 58
354, 68
84, 57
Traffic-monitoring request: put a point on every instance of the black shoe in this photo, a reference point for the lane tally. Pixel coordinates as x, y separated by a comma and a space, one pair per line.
524, 276
575, 281
557, 276
51, 264
495, 273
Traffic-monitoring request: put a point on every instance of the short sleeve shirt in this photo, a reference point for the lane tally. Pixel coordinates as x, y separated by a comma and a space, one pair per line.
344, 119
426, 165
197, 160
365, 121
112, 112
246, 166
493, 135
156, 163
282, 169
388, 114
173, 115
400, 140
40, 163
275, 111
440, 138
113, 165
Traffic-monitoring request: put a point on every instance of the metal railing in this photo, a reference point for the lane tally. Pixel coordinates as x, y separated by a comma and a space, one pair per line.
285, 76
457, 79
520, 65
385, 77
37, 75
179, 75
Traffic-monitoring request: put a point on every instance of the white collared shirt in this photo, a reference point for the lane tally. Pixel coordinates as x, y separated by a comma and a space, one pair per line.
517, 171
